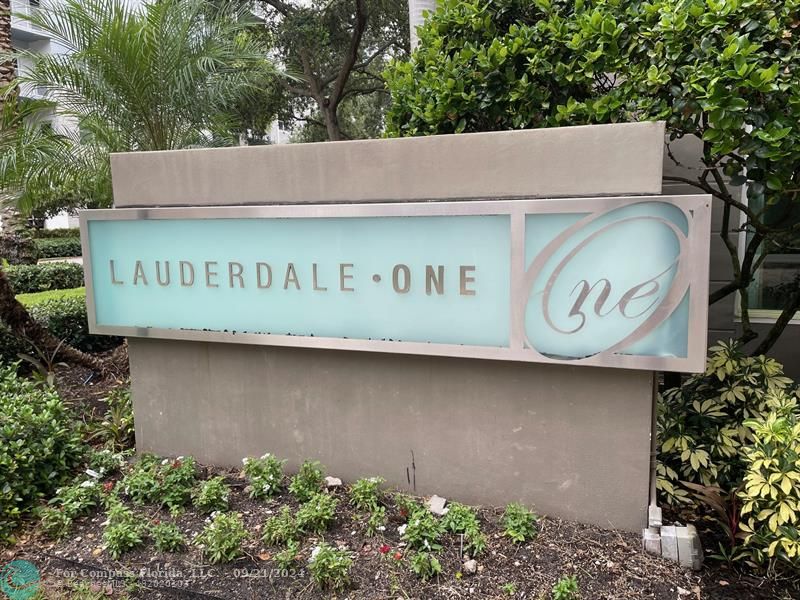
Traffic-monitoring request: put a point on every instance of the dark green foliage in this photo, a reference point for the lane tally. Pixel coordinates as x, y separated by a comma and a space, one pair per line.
155, 481
519, 523
307, 481
66, 319
66, 232
69, 503
40, 446
167, 537
58, 247
28, 279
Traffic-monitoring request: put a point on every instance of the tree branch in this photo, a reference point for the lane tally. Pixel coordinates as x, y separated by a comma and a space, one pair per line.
359, 27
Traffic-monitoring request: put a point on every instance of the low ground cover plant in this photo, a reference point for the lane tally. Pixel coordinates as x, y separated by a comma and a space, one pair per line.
166, 482
566, 588
222, 537
307, 481
124, 531
423, 530
330, 567
167, 537
40, 446
69, 503
365, 494
265, 475
211, 495
425, 565
519, 523
317, 514
281, 529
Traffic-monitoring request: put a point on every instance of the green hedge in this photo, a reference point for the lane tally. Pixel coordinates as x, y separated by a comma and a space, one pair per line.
58, 247
65, 316
40, 446
29, 279
57, 233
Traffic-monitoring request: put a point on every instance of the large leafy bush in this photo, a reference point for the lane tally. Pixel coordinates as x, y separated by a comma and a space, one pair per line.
701, 425
39, 445
58, 247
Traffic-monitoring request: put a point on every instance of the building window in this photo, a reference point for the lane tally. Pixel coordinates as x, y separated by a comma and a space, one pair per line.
779, 272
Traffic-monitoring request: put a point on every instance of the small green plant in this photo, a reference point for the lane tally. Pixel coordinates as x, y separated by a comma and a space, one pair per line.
44, 363
166, 482
330, 568
281, 529
425, 565
316, 515
377, 520
307, 481
519, 523
265, 475
566, 589
221, 539
167, 537
474, 541
509, 588
287, 558
459, 518
123, 530
69, 503
365, 494
116, 429
422, 531
105, 462
406, 505
211, 495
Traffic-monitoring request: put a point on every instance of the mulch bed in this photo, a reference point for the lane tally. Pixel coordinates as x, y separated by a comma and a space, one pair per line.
607, 564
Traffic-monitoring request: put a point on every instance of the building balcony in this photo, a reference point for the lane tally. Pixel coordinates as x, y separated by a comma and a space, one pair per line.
21, 29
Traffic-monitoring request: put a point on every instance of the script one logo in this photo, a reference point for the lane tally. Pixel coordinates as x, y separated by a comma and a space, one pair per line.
609, 281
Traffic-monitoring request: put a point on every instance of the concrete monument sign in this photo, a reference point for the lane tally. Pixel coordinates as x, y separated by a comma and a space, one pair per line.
245, 278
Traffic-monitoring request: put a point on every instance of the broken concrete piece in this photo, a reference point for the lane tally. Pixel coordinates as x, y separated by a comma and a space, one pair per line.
332, 482
436, 505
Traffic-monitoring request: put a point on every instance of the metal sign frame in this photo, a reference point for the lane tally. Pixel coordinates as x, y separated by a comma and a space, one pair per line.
694, 274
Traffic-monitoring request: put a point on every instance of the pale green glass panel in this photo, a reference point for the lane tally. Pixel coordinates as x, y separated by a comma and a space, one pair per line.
374, 310
624, 248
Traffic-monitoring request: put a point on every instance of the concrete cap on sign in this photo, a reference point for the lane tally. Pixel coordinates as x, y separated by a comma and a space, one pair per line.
593, 160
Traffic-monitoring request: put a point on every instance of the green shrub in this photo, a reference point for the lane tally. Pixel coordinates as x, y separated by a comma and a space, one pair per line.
281, 529
105, 462
519, 523
29, 279
167, 537
377, 520
60, 247
771, 495
40, 446
330, 568
701, 425
61, 232
221, 539
459, 518
211, 495
265, 475
123, 530
365, 493
287, 558
317, 514
307, 481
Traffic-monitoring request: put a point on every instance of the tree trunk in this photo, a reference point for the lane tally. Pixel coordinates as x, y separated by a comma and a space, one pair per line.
329, 111
22, 325
15, 315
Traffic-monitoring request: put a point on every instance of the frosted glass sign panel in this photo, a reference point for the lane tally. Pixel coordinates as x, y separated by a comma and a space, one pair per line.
604, 281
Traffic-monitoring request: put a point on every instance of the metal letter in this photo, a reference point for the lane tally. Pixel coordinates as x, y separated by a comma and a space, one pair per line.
138, 272
237, 275
184, 282
291, 276
343, 276
210, 274
158, 272
434, 280
260, 282
406, 279
314, 279
467, 279
113, 276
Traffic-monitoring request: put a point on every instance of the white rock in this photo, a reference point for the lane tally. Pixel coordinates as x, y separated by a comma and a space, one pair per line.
332, 482
436, 505
471, 566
